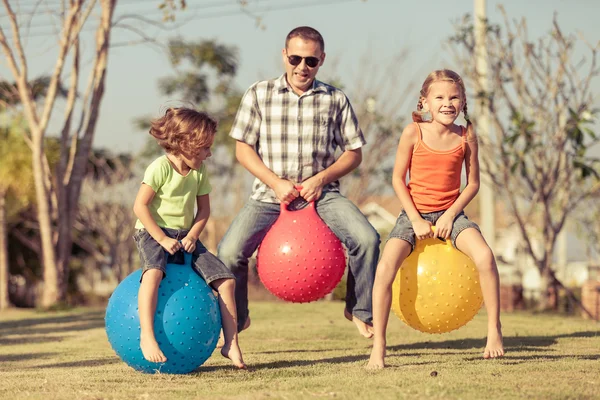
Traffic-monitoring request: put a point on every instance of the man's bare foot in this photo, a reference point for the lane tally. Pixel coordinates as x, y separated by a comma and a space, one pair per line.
150, 350
377, 359
221, 341
494, 347
233, 352
363, 328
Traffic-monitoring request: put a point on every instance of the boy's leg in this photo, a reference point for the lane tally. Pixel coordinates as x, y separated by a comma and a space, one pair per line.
218, 276
394, 253
362, 243
147, 297
241, 240
153, 261
231, 348
469, 240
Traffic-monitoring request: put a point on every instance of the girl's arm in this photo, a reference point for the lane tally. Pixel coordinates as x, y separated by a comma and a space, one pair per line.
142, 211
408, 139
404, 152
472, 172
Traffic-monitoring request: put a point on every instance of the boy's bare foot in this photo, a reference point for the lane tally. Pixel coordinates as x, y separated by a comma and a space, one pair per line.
221, 341
233, 352
376, 361
494, 347
150, 350
363, 328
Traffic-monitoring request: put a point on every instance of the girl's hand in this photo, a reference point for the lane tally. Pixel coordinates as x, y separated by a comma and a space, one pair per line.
422, 229
189, 244
170, 245
443, 226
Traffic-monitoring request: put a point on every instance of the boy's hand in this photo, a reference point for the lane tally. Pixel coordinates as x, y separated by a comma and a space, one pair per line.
285, 191
189, 244
443, 226
422, 229
170, 245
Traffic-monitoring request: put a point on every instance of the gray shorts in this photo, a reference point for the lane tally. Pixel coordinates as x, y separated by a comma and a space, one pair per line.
404, 230
153, 256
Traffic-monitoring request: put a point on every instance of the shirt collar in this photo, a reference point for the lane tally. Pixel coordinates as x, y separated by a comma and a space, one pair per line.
281, 85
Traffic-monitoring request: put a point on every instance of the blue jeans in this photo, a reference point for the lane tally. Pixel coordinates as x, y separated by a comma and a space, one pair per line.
345, 220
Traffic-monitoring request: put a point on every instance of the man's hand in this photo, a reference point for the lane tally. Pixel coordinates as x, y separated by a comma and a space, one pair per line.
285, 191
312, 188
170, 245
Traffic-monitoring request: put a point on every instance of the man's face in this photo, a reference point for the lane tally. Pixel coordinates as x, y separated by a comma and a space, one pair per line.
301, 76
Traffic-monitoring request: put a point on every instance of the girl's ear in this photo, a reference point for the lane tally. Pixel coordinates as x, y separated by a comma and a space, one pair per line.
425, 105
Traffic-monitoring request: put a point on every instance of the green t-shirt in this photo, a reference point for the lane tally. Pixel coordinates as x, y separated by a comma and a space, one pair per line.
174, 201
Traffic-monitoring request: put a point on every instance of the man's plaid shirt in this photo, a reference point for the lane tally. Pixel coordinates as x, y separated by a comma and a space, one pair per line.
295, 136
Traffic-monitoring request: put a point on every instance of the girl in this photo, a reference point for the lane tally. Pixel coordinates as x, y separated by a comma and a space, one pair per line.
433, 152
174, 184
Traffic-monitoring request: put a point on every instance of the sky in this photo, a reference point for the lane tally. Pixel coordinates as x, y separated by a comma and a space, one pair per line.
354, 30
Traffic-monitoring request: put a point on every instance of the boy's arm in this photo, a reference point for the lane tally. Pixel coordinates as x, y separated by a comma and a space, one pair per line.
201, 219
247, 156
142, 211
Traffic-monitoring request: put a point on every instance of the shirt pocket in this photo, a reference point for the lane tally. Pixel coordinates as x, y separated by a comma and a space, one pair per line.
323, 124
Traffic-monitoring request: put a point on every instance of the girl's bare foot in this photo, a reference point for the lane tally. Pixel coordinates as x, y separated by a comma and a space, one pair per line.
377, 359
494, 347
150, 349
221, 341
233, 352
364, 329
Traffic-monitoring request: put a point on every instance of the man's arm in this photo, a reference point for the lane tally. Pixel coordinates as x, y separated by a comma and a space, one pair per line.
346, 163
247, 156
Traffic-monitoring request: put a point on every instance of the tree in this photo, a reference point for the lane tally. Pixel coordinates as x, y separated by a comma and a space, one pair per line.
541, 107
57, 193
15, 192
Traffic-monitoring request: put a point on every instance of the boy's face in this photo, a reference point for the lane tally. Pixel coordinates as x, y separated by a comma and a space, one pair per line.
194, 160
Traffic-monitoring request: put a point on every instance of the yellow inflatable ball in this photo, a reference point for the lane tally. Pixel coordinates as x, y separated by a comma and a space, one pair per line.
437, 288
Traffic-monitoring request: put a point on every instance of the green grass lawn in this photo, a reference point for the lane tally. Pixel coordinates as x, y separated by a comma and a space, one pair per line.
307, 351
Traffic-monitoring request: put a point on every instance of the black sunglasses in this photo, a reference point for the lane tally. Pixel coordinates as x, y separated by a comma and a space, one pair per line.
310, 61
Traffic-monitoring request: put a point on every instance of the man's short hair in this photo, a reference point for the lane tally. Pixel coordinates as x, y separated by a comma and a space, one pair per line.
306, 33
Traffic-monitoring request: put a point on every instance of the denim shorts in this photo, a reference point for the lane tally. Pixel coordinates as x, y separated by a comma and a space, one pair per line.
404, 230
154, 256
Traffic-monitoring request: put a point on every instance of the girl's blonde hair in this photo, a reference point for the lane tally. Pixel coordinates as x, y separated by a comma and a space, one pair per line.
183, 129
448, 76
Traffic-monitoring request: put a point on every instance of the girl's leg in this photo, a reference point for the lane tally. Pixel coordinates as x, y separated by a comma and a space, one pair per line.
471, 242
147, 297
394, 253
231, 348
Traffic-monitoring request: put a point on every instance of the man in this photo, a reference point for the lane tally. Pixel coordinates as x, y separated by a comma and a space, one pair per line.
287, 131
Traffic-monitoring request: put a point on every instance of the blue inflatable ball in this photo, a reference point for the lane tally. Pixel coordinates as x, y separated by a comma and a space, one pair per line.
187, 322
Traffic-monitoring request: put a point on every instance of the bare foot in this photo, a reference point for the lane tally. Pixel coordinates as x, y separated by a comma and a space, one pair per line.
233, 352
494, 347
376, 361
221, 341
363, 328
150, 349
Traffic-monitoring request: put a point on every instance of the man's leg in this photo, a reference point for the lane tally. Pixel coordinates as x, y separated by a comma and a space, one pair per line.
241, 240
362, 242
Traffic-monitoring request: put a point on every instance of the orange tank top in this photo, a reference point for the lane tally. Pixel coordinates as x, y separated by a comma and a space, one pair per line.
434, 176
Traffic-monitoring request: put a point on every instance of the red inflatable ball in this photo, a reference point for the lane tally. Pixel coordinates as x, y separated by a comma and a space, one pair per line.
300, 259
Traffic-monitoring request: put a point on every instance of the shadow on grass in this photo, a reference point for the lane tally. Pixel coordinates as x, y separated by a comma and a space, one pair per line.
25, 357
13, 326
511, 343
29, 329
82, 363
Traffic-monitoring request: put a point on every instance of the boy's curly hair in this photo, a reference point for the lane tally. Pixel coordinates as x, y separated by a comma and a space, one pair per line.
183, 129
